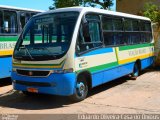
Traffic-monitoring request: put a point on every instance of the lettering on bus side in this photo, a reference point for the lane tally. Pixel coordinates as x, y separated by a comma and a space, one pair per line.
137, 52
84, 64
7, 45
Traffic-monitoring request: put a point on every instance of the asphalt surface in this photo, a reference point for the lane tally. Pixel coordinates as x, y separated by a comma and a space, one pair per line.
122, 96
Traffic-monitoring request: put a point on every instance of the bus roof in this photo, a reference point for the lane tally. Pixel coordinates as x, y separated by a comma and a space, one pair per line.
96, 10
18, 8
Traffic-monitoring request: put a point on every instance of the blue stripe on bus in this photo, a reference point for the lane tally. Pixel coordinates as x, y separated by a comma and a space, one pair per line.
98, 51
110, 74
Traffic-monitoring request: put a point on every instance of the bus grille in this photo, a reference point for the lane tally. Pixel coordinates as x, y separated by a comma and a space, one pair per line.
33, 73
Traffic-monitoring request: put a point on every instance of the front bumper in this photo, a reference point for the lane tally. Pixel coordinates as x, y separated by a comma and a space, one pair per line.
55, 84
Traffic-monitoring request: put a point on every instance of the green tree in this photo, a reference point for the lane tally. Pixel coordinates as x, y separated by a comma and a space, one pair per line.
69, 3
64, 3
152, 11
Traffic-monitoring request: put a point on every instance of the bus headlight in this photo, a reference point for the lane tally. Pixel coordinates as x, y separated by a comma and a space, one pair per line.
14, 69
63, 71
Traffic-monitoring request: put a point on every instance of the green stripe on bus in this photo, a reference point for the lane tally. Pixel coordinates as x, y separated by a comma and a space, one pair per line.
100, 67
8, 39
134, 46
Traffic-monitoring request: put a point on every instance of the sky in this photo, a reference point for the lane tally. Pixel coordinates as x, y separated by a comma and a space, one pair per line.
33, 4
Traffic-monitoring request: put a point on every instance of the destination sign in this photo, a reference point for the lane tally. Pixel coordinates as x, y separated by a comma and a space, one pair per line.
44, 20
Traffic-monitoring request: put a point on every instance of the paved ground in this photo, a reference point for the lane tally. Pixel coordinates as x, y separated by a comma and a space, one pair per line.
120, 96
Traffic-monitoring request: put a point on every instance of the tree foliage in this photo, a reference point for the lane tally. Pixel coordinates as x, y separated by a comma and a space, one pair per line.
152, 11
85, 3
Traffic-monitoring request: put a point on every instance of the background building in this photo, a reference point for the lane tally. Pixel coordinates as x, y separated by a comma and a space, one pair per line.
133, 6
136, 7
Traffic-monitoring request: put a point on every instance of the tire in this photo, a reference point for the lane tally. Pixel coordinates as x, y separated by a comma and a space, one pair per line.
28, 93
81, 90
136, 71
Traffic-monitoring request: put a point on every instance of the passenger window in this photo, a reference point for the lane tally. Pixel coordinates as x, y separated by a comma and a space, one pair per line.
142, 26
1, 21
117, 25
114, 35
148, 27
91, 38
128, 25
24, 17
10, 22
135, 25
146, 32
94, 32
107, 24
22, 20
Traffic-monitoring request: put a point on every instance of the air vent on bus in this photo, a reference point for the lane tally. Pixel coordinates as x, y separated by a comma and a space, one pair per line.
33, 73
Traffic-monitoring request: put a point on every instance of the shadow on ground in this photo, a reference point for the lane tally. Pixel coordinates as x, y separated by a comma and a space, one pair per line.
5, 82
18, 100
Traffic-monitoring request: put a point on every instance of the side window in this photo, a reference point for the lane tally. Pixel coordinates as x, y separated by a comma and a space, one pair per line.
10, 22
107, 24
142, 26
148, 27
89, 34
94, 31
146, 32
117, 24
135, 25
132, 35
1, 21
128, 25
113, 31
24, 17
118, 33
22, 20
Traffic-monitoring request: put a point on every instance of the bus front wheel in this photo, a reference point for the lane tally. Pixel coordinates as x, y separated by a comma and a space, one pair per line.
81, 90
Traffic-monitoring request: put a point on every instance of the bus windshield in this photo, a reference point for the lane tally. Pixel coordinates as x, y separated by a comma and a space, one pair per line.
46, 37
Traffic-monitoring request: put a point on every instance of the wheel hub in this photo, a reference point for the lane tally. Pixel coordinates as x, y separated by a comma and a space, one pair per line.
80, 89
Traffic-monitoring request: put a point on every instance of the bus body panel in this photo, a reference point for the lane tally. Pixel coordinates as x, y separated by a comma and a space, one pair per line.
103, 69
60, 84
5, 67
147, 62
7, 44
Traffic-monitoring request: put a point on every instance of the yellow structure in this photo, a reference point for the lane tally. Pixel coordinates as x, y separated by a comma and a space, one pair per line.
133, 6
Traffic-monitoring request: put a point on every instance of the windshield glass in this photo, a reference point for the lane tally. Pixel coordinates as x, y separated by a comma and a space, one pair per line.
46, 37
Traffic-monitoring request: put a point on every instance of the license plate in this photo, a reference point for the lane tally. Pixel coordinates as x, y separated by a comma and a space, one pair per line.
33, 90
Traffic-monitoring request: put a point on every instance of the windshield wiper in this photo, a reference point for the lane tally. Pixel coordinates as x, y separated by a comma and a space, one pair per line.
28, 53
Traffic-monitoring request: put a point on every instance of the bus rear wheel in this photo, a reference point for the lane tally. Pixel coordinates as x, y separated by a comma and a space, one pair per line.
136, 71
81, 90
